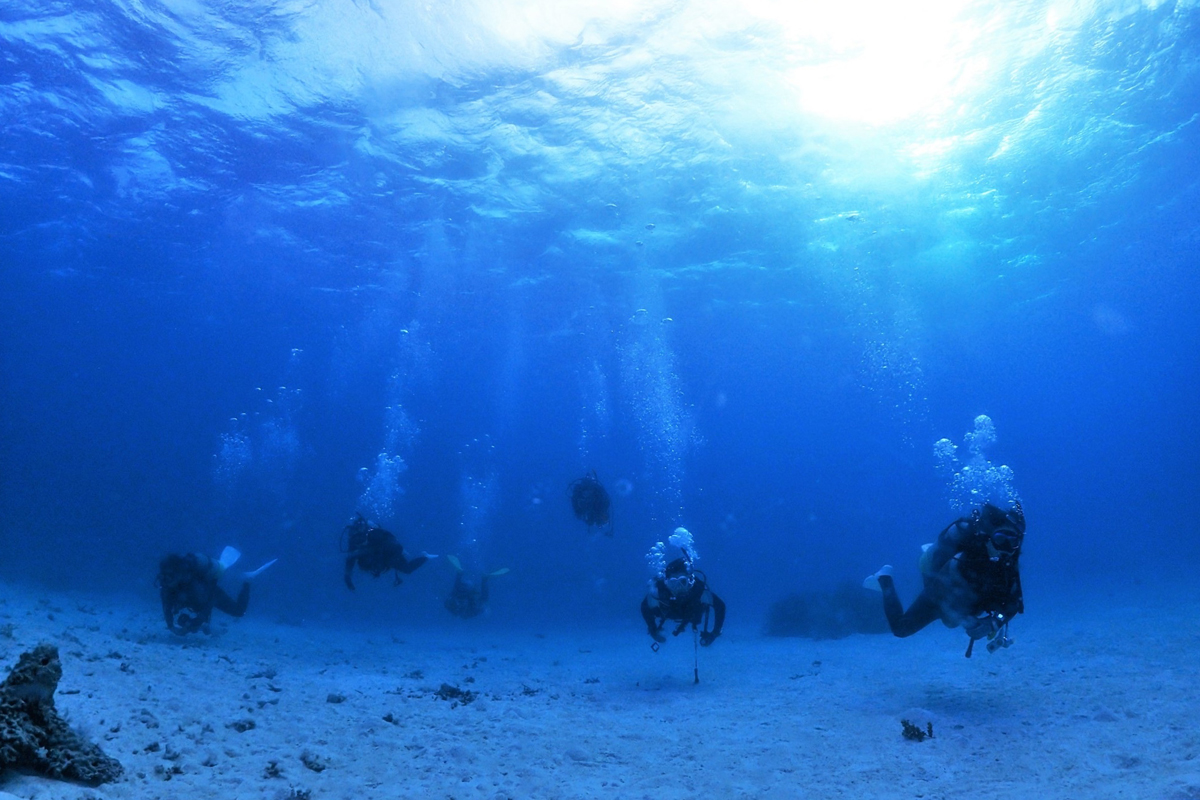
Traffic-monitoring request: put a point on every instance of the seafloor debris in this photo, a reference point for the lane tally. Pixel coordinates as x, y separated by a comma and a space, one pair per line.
314, 762
915, 734
459, 696
34, 737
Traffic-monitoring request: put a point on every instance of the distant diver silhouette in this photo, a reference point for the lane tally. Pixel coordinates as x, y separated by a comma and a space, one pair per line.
591, 503
682, 595
189, 590
467, 598
375, 551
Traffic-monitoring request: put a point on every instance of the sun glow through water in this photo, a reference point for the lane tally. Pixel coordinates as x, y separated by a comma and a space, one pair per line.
880, 62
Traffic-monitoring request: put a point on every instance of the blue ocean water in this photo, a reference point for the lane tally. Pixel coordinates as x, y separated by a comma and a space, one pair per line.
265, 265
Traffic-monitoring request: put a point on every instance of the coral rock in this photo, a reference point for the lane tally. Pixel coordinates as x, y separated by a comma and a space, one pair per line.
34, 737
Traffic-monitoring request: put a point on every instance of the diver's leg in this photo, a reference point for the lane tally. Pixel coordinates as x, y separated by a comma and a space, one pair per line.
223, 602
905, 623
168, 609
348, 575
409, 566
483, 589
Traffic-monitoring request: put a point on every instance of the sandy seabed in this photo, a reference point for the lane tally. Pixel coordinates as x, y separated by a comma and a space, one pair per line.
1089, 705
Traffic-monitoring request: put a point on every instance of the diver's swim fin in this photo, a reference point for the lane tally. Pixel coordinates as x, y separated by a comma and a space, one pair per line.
454, 562
261, 569
872, 581
229, 557
501, 571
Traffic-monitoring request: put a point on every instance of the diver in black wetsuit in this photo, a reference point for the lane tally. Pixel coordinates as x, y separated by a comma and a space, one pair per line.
376, 551
682, 595
189, 591
971, 578
467, 600
591, 503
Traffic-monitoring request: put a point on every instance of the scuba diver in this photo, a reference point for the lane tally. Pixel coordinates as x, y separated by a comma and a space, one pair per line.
971, 578
590, 501
682, 595
467, 600
189, 588
376, 551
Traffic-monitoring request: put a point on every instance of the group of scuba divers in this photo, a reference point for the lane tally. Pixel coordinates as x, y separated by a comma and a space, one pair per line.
971, 578
190, 590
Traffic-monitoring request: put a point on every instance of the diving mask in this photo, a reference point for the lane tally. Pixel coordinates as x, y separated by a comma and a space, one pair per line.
1003, 542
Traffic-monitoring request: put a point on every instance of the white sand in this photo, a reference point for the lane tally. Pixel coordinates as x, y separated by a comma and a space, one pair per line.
1080, 707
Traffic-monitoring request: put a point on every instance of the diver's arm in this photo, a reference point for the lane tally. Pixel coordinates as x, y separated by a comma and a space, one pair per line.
651, 617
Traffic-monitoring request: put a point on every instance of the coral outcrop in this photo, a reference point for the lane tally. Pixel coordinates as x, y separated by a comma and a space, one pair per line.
32, 734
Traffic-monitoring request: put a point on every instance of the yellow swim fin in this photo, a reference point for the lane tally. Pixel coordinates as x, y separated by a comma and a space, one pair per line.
501, 571
454, 562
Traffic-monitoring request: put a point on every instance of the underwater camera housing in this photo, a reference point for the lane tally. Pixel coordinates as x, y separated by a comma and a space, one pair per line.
998, 638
